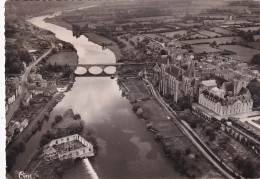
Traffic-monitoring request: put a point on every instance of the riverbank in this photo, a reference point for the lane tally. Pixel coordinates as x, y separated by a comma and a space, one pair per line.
42, 103
177, 147
105, 42
93, 37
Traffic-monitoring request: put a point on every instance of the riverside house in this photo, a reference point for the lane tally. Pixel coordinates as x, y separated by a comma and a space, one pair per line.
69, 147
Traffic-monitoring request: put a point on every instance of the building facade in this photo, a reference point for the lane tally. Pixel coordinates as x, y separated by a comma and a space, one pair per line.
231, 98
63, 148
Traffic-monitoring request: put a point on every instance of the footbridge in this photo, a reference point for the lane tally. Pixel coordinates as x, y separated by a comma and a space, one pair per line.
103, 67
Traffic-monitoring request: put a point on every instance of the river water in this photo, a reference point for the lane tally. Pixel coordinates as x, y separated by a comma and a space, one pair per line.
126, 148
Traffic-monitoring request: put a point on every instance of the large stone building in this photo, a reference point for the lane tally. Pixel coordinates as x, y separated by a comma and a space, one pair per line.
230, 98
69, 147
176, 82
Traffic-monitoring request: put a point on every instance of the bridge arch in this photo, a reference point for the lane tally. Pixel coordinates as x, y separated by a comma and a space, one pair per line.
95, 70
81, 70
110, 70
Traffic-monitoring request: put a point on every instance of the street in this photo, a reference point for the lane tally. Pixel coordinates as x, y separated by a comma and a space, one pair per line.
13, 107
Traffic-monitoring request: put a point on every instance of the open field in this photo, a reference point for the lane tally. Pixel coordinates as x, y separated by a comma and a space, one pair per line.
257, 37
244, 54
157, 37
220, 40
209, 33
197, 35
63, 58
232, 22
246, 29
255, 45
200, 48
222, 31
175, 33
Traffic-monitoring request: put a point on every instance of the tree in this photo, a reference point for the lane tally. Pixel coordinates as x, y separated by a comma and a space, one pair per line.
164, 52
248, 169
254, 88
58, 118
76, 117
187, 151
256, 59
53, 51
25, 56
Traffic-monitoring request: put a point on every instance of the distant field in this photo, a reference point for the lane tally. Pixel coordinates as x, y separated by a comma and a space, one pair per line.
62, 58
244, 54
232, 22
255, 45
222, 31
171, 34
153, 36
204, 48
246, 29
208, 33
197, 35
221, 40
158, 30
257, 37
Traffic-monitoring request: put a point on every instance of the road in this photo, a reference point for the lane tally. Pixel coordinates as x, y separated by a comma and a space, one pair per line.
34, 121
13, 107
199, 144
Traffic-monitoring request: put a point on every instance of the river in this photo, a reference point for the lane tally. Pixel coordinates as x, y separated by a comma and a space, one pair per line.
126, 148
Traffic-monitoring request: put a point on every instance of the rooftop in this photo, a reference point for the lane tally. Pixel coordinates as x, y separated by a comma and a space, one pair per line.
209, 83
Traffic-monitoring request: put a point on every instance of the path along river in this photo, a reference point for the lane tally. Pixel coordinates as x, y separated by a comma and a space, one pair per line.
126, 148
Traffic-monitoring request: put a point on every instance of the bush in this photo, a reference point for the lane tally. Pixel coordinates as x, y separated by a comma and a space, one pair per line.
76, 117
135, 107
58, 118
187, 151
158, 137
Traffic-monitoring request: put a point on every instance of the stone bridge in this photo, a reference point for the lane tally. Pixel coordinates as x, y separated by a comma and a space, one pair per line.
103, 66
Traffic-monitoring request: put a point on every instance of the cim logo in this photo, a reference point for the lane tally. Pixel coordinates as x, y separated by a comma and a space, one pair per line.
23, 175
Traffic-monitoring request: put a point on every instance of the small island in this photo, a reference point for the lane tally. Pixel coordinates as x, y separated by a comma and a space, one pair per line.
66, 142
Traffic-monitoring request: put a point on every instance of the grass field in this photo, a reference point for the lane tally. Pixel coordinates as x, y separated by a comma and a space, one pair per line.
204, 48
244, 54
172, 34
221, 40
209, 33
222, 31
197, 35
257, 37
246, 29
153, 36
255, 45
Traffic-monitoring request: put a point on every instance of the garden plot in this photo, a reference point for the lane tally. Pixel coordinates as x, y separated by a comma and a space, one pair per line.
201, 48
243, 54
222, 31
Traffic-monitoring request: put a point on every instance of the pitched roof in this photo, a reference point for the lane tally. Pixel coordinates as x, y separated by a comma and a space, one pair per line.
209, 83
174, 71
